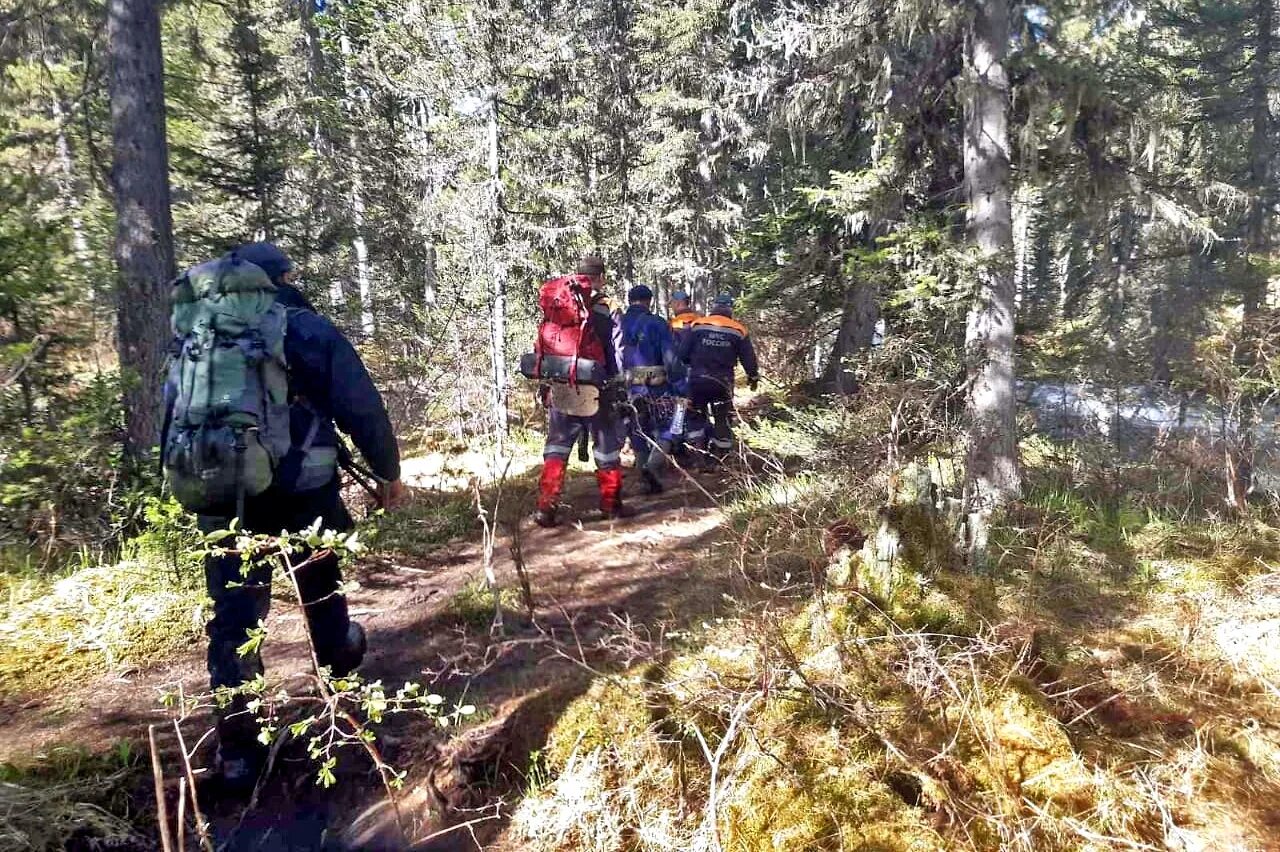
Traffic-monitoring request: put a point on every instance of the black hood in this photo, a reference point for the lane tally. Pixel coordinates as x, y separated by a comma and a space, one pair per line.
269, 256
291, 297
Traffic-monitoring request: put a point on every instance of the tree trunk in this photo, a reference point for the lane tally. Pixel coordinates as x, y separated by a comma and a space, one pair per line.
622, 59
498, 291
1075, 269
144, 224
359, 245
991, 475
360, 248
430, 276
70, 192
248, 60
857, 329
1240, 468
1260, 152
319, 88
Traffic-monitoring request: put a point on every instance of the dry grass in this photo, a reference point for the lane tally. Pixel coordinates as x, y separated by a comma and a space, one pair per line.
106, 616
36, 819
68, 794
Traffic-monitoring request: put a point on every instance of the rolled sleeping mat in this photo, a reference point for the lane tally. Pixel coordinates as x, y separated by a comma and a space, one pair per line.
559, 368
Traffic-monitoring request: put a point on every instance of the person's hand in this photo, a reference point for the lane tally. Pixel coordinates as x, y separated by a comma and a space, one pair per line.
754, 383
392, 495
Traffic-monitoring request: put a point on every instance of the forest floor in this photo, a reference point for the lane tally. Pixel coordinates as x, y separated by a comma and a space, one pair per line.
1111, 684
429, 619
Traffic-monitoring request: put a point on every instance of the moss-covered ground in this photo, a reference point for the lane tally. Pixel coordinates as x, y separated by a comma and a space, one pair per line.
1109, 682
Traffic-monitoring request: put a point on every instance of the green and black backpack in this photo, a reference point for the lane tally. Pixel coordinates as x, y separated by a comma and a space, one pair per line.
228, 428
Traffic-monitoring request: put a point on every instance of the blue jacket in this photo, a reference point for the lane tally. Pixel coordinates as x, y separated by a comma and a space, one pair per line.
326, 371
715, 345
647, 341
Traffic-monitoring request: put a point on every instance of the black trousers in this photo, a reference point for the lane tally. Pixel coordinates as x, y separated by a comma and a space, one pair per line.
241, 601
712, 401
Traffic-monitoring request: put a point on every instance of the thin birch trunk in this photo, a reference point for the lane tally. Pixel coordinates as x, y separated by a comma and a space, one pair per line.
498, 279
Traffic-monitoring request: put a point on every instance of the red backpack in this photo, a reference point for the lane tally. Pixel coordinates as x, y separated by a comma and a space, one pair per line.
566, 321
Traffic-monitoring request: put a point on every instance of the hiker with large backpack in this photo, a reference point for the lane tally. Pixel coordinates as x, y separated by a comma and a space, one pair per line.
651, 370
574, 357
258, 386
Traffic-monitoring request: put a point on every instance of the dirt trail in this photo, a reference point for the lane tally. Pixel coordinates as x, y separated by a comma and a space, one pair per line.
591, 583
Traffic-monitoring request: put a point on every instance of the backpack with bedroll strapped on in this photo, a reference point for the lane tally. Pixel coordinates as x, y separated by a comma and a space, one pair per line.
228, 428
566, 349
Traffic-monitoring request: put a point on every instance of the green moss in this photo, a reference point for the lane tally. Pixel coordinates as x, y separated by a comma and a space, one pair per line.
102, 616
937, 612
616, 711
473, 604
814, 792
1015, 745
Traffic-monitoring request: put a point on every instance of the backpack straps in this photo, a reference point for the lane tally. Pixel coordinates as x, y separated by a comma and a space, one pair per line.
585, 311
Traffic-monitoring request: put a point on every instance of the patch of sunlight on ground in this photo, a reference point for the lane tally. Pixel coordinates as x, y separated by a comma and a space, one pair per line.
685, 526
455, 471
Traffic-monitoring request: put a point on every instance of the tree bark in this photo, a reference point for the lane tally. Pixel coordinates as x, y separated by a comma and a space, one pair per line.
1261, 149
320, 79
992, 476
622, 58
70, 193
360, 248
248, 60
359, 245
498, 272
857, 329
144, 225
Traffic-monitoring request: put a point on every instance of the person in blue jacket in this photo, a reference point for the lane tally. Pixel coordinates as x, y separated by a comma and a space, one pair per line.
330, 390
713, 348
650, 367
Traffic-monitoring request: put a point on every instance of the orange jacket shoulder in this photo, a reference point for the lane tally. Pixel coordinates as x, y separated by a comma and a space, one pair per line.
685, 319
716, 321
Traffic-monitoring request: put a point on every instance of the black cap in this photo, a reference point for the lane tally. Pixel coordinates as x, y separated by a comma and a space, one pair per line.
640, 293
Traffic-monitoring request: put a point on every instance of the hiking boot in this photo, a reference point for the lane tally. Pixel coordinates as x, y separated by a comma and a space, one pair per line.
620, 511
235, 778
352, 654
546, 518
652, 485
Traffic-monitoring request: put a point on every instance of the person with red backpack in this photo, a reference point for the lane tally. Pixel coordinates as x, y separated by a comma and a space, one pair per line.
577, 329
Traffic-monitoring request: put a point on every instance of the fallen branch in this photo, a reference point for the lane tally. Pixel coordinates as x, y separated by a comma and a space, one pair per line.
38, 345
162, 807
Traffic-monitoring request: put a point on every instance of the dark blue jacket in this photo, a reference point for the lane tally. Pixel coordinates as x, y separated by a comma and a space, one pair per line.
326, 371
647, 341
715, 345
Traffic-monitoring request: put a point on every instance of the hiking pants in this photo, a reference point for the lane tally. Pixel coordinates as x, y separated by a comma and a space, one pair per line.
563, 432
711, 400
241, 601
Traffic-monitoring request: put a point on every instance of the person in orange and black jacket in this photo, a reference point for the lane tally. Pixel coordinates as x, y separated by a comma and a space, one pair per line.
712, 349
683, 316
